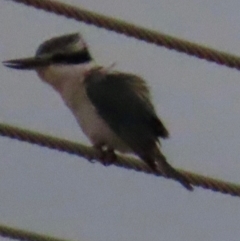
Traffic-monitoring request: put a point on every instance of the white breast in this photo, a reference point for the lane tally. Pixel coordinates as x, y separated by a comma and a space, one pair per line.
69, 82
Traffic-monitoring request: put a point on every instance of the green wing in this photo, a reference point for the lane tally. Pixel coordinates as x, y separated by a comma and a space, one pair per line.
123, 101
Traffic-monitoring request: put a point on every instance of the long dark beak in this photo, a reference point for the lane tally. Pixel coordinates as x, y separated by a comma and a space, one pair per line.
27, 63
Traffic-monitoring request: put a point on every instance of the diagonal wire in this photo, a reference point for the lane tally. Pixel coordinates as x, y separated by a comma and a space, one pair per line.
122, 161
14, 233
131, 30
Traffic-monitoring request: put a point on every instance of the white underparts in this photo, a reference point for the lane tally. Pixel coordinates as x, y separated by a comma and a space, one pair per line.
68, 80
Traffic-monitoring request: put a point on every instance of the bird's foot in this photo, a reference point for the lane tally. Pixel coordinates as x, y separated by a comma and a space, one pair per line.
106, 156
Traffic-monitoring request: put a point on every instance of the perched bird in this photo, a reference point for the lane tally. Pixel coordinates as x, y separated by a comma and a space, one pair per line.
114, 109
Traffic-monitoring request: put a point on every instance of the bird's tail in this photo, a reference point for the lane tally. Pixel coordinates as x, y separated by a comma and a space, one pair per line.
161, 164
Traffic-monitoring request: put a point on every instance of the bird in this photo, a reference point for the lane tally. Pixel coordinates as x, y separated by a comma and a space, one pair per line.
113, 108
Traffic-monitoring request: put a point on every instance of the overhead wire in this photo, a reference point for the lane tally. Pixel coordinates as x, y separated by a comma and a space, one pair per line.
91, 154
23, 235
132, 30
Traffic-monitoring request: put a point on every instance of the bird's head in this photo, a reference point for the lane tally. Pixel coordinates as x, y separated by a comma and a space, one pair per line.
63, 52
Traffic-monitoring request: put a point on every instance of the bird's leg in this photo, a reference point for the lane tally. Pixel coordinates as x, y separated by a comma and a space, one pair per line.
110, 156
107, 155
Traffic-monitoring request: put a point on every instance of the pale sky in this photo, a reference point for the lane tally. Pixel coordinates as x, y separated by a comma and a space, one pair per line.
65, 196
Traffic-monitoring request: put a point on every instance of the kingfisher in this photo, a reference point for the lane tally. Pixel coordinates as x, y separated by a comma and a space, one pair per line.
113, 108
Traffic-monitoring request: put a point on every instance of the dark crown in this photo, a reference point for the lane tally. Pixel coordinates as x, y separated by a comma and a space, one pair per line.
66, 49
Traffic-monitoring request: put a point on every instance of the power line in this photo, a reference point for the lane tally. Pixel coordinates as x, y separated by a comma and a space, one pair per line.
131, 30
121, 161
14, 233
